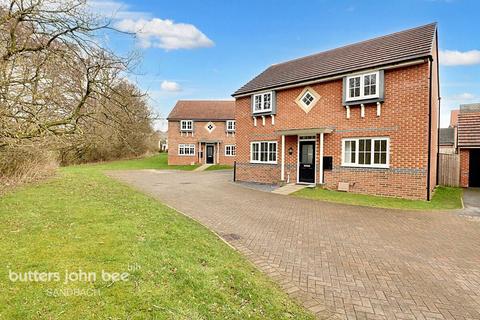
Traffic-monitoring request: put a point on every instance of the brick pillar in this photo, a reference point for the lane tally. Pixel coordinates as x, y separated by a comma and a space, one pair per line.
464, 167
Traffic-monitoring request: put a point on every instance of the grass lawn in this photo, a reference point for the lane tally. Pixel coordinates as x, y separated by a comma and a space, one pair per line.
219, 167
83, 220
443, 198
158, 161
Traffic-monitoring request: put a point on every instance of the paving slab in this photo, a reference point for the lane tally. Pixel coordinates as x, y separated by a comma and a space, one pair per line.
340, 261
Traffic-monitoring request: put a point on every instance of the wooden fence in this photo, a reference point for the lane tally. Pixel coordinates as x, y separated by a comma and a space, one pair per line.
449, 170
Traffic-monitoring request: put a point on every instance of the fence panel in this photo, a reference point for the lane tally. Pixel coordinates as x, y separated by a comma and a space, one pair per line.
449, 170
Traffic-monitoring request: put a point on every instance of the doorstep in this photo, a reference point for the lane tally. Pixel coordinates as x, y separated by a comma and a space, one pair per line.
290, 188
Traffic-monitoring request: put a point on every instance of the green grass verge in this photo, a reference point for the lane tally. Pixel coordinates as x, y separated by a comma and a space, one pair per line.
219, 167
85, 220
443, 198
158, 161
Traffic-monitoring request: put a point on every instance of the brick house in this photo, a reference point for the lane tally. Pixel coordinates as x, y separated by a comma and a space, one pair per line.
201, 132
468, 131
364, 116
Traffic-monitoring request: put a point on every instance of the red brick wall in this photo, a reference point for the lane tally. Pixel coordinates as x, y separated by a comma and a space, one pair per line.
200, 133
404, 119
464, 167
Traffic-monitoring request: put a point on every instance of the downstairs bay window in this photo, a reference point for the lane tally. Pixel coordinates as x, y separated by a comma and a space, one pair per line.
263, 152
365, 152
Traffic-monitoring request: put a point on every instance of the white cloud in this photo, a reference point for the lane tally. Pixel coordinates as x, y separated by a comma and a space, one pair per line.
165, 34
459, 58
170, 86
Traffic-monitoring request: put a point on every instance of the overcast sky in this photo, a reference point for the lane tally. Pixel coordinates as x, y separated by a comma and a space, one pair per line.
208, 49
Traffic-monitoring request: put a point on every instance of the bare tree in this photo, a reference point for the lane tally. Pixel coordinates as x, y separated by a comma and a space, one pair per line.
52, 68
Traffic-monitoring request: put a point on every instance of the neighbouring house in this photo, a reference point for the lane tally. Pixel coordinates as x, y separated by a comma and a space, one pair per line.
202, 132
468, 131
447, 140
162, 140
363, 118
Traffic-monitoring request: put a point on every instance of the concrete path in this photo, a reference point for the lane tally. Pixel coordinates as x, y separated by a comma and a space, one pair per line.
289, 189
471, 201
340, 261
203, 167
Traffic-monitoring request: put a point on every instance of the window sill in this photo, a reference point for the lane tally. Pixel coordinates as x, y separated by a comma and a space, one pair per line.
365, 166
186, 155
259, 162
262, 113
363, 101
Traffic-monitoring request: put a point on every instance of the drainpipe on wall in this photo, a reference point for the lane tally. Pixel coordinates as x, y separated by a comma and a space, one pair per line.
429, 161
439, 107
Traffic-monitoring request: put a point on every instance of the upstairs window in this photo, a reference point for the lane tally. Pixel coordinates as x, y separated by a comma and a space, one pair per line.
230, 125
262, 102
363, 86
365, 152
307, 99
186, 125
210, 127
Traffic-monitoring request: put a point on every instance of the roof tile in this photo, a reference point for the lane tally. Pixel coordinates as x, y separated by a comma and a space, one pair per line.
203, 110
401, 46
469, 126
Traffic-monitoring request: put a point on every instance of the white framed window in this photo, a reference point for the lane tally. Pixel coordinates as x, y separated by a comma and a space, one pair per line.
186, 149
307, 99
263, 152
262, 102
231, 125
186, 125
210, 127
362, 86
230, 150
366, 152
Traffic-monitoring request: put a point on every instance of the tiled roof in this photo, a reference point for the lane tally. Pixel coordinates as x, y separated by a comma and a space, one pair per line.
469, 125
396, 47
447, 136
454, 118
203, 110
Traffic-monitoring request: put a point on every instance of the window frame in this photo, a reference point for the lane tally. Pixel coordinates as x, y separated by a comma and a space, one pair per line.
233, 150
312, 103
234, 126
182, 122
362, 86
262, 102
184, 146
372, 152
268, 152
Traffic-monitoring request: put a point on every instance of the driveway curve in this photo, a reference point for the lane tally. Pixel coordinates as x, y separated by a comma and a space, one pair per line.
340, 261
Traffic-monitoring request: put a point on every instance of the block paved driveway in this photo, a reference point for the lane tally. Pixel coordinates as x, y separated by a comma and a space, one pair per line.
339, 261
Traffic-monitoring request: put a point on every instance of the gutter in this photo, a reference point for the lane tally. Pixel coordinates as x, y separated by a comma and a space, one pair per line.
429, 161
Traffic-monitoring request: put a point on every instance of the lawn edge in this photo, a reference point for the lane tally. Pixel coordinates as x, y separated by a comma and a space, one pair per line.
249, 256
380, 207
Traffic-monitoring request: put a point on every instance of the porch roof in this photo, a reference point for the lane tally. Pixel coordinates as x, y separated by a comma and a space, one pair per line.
303, 132
209, 141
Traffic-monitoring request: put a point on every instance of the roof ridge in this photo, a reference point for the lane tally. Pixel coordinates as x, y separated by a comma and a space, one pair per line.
355, 43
